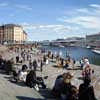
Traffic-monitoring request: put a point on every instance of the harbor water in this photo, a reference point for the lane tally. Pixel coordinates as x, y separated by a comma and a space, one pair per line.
76, 53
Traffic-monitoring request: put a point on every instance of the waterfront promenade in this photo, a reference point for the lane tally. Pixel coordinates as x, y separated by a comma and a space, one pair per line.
18, 91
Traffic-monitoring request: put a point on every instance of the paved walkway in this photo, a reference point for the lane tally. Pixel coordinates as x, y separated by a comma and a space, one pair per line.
13, 91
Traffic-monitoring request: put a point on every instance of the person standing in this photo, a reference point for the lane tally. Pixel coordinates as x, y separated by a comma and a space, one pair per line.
60, 53
52, 56
41, 66
17, 59
27, 56
44, 59
86, 62
35, 65
47, 61
30, 64
82, 63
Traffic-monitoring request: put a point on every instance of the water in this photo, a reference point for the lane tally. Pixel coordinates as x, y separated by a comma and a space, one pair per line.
77, 53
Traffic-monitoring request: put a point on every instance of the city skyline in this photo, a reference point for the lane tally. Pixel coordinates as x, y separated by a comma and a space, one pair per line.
52, 19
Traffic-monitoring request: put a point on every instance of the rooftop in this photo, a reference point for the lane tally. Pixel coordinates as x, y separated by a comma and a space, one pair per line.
10, 25
94, 34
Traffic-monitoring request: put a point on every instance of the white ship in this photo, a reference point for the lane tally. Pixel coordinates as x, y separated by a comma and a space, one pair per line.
96, 50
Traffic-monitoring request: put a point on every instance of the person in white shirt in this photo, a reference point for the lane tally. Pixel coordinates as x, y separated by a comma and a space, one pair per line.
23, 73
60, 53
86, 62
47, 61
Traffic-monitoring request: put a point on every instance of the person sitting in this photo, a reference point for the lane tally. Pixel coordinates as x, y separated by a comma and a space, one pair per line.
9, 67
33, 82
1, 63
62, 62
66, 64
23, 73
86, 91
56, 89
68, 91
63, 88
87, 71
31, 78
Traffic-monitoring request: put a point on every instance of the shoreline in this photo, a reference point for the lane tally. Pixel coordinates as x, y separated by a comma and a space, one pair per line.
93, 58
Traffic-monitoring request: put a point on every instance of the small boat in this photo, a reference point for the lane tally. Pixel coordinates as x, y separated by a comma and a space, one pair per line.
96, 51
88, 47
61, 46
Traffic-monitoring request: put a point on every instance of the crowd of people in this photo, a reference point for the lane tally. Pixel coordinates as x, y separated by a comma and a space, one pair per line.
28, 73
63, 87
29, 78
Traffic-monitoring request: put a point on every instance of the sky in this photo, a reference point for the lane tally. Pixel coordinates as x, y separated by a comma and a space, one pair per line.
52, 19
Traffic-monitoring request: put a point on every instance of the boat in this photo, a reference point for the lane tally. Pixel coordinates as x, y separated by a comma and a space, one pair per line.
61, 46
88, 47
96, 50
45, 43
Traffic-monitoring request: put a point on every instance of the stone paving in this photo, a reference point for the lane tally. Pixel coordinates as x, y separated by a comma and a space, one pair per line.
13, 91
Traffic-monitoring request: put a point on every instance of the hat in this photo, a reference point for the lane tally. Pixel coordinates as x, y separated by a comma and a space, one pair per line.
67, 75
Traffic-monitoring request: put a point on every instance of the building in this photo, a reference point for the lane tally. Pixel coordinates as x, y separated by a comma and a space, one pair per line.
93, 40
93, 37
11, 33
45, 42
72, 41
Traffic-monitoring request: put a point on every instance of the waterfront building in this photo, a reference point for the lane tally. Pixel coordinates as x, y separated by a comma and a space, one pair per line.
12, 34
73, 41
45, 42
93, 40
93, 37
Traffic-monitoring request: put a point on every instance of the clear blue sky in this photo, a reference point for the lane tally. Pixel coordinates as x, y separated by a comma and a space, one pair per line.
51, 19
